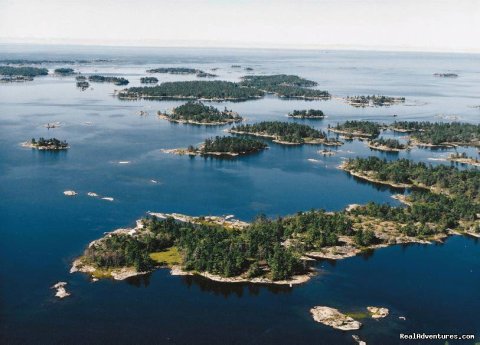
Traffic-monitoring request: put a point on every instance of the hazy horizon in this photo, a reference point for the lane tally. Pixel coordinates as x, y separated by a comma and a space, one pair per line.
384, 25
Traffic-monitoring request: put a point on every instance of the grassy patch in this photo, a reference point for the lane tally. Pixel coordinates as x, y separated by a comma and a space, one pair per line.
358, 314
170, 256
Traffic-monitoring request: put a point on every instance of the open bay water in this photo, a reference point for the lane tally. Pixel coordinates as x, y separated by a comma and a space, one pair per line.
435, 287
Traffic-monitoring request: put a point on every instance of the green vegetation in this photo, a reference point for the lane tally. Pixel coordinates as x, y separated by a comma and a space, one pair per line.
170, 256
83, 85
64, 71
199, 113
229, 145
173, 70
148, 80
101, 79
214, 90
387, 144
23, 71
80, 78
290, 132
285, 86
307, 114
358, 128
202, 74
48, 144
441, 133
374, 100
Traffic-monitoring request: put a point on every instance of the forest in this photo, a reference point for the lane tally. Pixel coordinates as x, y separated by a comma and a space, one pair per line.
388, 143
230, 145
197, 112
49, 144
102, 79
307, 114
362, 128
23, 71
439, 133
285, 131
217, 90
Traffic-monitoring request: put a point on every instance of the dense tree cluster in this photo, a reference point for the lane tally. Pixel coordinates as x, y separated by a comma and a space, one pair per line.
438, 133
374, 100
307, 114
200, 113
102, 79
174, 70
148, 80
64, 71
218, 90
83, 85
52, 143
388, 143
367, 128
22, 71
236, 145
285, 131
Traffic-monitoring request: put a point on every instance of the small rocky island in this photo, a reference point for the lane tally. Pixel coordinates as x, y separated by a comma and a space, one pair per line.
387, 145
149, 80
334, 318
446, 75
374, 101
223, 146
307, 114
357, 129
288, 133
197, 113
52, 144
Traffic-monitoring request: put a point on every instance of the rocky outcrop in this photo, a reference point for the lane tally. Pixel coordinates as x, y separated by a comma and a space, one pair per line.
334, 318
61, 290
378, 312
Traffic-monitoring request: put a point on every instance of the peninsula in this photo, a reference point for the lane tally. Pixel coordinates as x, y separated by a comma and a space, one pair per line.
197, 113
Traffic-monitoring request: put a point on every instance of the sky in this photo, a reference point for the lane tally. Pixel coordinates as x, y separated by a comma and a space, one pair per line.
412, 25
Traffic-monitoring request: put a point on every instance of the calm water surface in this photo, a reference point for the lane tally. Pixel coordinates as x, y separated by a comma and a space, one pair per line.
435, 287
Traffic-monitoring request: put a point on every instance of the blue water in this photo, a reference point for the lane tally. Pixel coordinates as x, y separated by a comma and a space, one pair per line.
435, 287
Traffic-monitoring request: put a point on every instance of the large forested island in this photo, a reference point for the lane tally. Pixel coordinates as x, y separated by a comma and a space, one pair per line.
357, 129
285, 133
285, 86
307, 114
277, 250
182, 70
440, 133
374, 101
197, 113
226, 146
64, 71
22, 71
204, 90
102, 79
52, 144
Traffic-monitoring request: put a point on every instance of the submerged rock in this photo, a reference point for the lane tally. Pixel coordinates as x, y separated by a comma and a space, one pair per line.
334, 318
378, 312
61, 291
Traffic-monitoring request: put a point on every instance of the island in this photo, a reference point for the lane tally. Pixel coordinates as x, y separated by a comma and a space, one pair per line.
334, 318
197, 113
357, 129
307, 114
83, 85
149, 80
27, 72
223, 146
202, 74
102, 79
285, 86
374, 101
46, 144
446, 75
202, 90
462, 158
15, 79
182, 70
289, 133
387, 145
64, 71
440, 134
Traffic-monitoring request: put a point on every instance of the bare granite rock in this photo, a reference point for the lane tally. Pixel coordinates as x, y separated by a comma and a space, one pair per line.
61, 291
334, 318
378, 312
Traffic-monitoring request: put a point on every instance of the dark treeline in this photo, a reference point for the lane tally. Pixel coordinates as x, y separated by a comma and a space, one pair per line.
52, 143
368, 128
64, 71
148, 80
235, 145
389, 143
201, 113
220, 90
174, 70
306, 114
39, 62
461, 183
202, 74
82, 84
285, 131
438, 133
23, 71
102, 79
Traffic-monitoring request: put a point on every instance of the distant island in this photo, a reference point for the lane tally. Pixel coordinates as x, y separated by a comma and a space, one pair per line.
64, 71
388, 145
42, 62
83, 85
197, 113
374, 101
148, 80
52, 144
203, 90
307, 114
223, 146
446, 75
285, 86
462, 158
279, 251
357, 129
27, 72
102, 79
285, 133
182, 70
